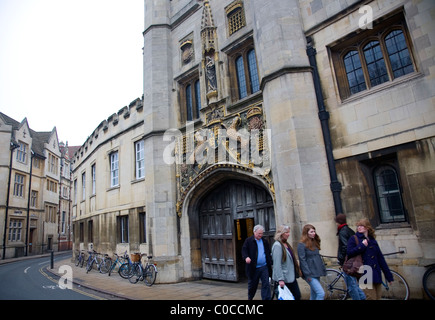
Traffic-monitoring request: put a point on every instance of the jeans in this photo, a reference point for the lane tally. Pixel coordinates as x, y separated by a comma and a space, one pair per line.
353, 288
263, 274
316, 292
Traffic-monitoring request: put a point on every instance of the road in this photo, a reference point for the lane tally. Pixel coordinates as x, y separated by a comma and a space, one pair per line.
28, 280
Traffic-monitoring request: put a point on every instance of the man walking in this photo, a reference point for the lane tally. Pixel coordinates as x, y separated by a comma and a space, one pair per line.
256, 253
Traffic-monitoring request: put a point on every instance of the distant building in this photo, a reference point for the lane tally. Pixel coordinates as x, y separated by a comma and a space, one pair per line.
267, 112
29, 194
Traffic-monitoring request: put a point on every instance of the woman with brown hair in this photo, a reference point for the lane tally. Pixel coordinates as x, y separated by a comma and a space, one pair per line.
311, 263
285, 266
365, 244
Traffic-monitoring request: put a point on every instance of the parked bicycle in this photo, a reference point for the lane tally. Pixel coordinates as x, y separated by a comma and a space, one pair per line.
119, 262
429, 281
139, 272
103, 264
80, 259
335, 288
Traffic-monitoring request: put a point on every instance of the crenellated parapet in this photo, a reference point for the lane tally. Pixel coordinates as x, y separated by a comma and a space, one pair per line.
126, 118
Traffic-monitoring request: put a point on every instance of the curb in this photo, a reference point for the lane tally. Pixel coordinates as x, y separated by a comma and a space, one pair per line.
87, 286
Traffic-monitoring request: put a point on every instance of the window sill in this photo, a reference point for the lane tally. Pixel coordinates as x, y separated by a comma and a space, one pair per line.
137, 180
381, 87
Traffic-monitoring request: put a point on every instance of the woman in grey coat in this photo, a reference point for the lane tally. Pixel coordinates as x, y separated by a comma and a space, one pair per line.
285, 266
312, 265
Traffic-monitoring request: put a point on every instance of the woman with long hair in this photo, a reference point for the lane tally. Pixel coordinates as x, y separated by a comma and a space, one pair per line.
365, 244
311, 263
285, 266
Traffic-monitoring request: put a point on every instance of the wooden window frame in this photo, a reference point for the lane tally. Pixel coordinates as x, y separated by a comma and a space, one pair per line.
241, 51
196, 105
357, 42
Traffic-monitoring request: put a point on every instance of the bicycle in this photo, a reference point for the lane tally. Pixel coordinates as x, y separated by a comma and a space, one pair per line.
396, 290
429, 281
120, 261
147, 273
126, 268
335, 288
80, 259
102, 263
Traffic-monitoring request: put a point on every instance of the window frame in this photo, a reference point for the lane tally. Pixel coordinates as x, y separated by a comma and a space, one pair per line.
243, 51
397, 192
194, 82
357, 42
139, 163
19, 183
123, 229
235, 16
15, 230
113, 170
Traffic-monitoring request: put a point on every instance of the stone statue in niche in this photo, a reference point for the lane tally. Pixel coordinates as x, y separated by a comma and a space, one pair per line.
210, 70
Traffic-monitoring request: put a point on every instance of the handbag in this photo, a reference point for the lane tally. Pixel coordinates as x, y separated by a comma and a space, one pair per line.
352, 266
285, 293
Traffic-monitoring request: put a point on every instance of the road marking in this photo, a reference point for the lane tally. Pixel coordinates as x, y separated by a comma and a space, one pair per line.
76, 290
25, 270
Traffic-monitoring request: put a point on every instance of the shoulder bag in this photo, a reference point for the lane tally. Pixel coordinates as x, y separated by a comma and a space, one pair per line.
352, 266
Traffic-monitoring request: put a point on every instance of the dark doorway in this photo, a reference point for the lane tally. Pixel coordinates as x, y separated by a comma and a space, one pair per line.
244, 229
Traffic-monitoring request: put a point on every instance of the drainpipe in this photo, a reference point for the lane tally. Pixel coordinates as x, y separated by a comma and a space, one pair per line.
13, 146
28, 205
335, 185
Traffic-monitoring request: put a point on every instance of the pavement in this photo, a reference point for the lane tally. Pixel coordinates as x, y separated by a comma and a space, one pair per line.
122, 288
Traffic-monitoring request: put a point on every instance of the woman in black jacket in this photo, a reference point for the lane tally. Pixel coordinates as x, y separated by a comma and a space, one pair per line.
344, 233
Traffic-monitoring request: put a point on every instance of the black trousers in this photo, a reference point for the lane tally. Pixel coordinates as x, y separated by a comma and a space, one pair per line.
263, 274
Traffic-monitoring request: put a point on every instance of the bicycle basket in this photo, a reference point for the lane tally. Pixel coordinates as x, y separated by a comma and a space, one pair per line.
135, 257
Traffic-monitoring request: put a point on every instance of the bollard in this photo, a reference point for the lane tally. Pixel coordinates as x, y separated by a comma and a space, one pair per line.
52, 260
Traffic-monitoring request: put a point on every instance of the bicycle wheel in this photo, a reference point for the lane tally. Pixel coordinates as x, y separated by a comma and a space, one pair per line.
150, 275
125, 270
112, 266
105, 265
82, 260
397, 290
77, 260
334, 285
429, 282
135, 274
89, 266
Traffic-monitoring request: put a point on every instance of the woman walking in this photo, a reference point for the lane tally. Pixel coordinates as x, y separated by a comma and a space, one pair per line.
365, 244
285, 266
312, 265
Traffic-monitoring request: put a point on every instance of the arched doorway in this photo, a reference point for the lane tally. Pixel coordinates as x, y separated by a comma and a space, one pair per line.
227, 215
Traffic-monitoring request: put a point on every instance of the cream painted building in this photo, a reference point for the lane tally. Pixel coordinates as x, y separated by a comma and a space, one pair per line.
29, 198
267, 112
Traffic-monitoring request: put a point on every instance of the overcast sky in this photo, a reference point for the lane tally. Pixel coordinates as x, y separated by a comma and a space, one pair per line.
69, 64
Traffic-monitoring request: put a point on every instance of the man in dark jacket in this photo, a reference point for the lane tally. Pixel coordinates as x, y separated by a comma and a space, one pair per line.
344, 233
256, 253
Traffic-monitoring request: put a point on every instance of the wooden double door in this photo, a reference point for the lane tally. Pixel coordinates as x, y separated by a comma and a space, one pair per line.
227, 216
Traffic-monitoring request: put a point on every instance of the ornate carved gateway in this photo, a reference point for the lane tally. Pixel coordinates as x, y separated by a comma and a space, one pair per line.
223, 176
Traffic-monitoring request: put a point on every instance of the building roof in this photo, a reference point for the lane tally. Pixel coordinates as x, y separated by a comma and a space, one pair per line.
38, 138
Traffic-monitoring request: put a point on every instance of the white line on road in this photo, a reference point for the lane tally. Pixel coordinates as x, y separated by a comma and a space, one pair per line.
25, 270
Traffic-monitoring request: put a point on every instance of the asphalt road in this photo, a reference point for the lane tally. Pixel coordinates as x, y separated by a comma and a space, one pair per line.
28, 280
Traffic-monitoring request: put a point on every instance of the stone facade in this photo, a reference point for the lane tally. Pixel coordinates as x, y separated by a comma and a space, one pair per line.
30, 168
228, 81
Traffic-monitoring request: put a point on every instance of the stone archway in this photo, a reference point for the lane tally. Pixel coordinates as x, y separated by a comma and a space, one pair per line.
221, 214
